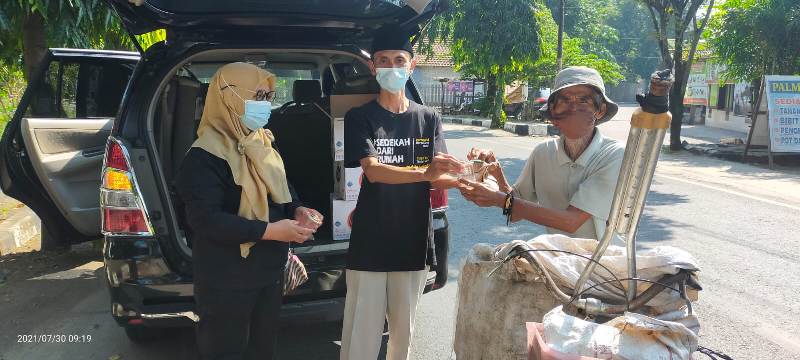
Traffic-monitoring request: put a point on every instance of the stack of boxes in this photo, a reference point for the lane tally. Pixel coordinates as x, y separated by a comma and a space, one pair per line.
347, 181
344, 197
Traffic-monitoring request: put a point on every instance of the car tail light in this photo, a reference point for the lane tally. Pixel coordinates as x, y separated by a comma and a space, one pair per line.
115, 156
125, 221
117, 180
123, 211
438, 199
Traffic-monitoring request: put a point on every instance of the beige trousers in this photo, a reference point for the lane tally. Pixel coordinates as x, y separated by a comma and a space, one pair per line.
373, 297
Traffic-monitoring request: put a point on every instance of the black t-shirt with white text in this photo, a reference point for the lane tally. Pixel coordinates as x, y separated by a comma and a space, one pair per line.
392, 223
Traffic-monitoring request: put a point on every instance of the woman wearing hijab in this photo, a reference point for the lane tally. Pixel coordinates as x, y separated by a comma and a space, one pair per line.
240, 210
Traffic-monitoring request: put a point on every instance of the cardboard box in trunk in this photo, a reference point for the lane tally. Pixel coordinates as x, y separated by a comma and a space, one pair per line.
338, 139
347, 182
343, 219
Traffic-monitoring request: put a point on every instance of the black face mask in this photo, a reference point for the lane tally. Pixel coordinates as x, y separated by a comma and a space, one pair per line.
583, 114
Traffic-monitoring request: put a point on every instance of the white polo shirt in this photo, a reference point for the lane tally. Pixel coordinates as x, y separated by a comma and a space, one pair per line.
553, 180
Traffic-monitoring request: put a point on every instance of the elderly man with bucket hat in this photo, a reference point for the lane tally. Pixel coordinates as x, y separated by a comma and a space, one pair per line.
567, 183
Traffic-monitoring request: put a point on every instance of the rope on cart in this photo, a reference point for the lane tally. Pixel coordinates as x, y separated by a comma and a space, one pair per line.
518, 253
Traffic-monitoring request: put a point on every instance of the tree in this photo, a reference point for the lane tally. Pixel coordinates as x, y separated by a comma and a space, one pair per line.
493, 40
545, 68
753, 38
636, 50
588, 20
674, 18
29, 27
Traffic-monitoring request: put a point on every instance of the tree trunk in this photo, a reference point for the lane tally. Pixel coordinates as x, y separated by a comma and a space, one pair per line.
34, 42
492, 89
676, 96
676, 108
497, 96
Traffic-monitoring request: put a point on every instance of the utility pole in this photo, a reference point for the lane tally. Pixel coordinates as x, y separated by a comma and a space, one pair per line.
560, 56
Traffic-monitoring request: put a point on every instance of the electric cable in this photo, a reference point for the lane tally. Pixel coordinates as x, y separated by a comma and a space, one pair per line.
606, 282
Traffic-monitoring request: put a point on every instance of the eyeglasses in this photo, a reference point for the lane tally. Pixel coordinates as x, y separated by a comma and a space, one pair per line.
579, 100
260, 95
264, 95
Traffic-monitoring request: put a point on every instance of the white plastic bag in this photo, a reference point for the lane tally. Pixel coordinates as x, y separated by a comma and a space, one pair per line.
631, 336
652, 264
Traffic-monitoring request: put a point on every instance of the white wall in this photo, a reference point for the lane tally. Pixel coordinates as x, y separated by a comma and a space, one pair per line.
426, 80
427, 75
731, 122
718, 119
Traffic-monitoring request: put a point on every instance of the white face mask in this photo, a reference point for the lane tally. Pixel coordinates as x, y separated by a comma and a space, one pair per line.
392, 79
256, 112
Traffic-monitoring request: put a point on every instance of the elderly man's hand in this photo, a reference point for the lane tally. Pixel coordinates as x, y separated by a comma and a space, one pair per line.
484, 155
481, 194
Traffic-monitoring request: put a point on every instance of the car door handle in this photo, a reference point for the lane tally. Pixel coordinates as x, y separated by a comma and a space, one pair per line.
93, 152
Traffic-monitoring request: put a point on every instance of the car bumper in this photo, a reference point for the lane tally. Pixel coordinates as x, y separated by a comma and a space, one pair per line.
144, 291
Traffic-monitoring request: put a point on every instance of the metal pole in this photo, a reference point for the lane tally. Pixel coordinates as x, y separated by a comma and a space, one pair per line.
652, 143
441, 104
636, 174
559, 56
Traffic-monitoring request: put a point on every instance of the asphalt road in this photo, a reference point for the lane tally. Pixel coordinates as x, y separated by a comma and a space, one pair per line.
739, 221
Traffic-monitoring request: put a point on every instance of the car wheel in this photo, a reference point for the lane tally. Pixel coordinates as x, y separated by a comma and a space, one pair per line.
141, 334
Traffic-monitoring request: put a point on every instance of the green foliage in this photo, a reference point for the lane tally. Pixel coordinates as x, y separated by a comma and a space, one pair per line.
679, 26
490, 36
501, 121
148, 39
637, 49
12, 85
757, 37
497, 40
74, 23
589, 20
618, 31
545, 68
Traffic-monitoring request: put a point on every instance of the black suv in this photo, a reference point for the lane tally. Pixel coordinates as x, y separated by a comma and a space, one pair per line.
99, 135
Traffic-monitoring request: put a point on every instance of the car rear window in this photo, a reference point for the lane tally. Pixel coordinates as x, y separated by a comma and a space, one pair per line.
287, 74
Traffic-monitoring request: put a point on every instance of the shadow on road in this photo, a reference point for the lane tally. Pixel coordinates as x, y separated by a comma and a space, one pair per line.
654, 228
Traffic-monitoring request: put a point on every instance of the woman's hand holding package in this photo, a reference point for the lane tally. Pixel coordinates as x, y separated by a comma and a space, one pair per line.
287, 231
308, 218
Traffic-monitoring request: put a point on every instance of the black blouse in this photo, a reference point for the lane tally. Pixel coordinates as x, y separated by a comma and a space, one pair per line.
211, 200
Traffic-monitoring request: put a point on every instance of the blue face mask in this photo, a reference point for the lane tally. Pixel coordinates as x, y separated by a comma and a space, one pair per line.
256, 112
392, 79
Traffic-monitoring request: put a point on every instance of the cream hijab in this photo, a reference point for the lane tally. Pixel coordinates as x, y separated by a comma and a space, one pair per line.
255, 165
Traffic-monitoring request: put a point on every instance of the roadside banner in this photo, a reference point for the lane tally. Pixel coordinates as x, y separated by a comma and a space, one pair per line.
697, 86
783, 104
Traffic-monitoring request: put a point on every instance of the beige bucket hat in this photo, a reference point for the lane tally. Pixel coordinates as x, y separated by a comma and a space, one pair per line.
582, 75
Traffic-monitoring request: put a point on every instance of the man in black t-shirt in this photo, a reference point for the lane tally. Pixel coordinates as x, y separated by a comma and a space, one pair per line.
400, 146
